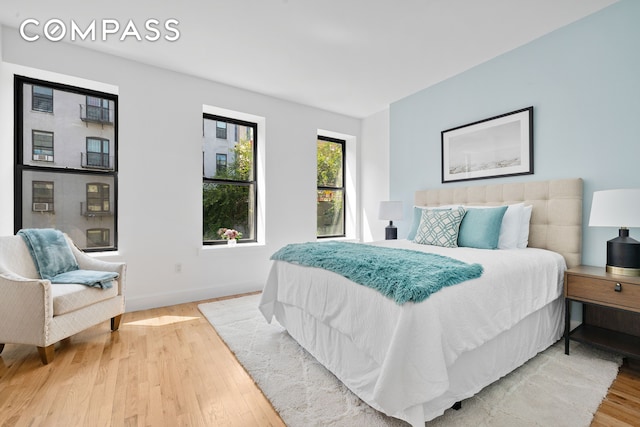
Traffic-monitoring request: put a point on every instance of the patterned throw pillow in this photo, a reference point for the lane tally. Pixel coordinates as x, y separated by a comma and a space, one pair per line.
439, 228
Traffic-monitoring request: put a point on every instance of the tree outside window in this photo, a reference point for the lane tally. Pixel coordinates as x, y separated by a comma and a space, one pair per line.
330, 191
229, 191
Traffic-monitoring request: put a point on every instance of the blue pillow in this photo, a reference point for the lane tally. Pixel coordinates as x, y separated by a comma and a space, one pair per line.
417, 214
480, 228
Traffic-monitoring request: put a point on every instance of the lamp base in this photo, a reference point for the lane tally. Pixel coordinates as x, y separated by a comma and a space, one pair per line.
623, 271
390, 232
623, 255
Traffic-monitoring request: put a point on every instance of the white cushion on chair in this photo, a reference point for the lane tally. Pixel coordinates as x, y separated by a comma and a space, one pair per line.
68, 298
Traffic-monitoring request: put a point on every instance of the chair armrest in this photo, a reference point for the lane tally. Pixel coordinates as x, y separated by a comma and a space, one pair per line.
24, 288
86, 262
26, 307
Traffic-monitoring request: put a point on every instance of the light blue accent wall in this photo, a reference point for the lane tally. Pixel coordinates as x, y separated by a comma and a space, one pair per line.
583, 81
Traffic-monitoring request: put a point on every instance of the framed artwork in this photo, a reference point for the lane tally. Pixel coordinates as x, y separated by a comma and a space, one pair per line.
494, 147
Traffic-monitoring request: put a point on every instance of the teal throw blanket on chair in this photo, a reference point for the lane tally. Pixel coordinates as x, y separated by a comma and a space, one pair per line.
400, 274
50, 251
55, 262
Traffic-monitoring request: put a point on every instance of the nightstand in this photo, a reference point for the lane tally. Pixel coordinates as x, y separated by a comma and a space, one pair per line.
611, 310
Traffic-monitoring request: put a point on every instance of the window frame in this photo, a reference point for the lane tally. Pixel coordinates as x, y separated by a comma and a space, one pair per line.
245, 183
49, 200
102, 153
219, 164
101, 196
21, 166
102, 231
330, 188
33, 145
34, 96
101, 109
220, 129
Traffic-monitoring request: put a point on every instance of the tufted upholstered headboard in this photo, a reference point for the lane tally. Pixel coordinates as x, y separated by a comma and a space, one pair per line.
556, 219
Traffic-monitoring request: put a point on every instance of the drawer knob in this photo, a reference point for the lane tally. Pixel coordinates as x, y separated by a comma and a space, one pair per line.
618, 287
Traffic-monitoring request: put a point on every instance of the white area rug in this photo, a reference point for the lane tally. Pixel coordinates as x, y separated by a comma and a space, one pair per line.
550, 389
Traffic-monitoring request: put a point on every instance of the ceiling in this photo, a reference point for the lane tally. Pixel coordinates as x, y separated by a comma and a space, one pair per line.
353, 57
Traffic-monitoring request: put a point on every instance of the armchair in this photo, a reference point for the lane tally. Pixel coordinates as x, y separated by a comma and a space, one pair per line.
34, 311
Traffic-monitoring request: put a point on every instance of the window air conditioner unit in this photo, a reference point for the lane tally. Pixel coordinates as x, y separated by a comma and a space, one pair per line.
43, 157
42, 207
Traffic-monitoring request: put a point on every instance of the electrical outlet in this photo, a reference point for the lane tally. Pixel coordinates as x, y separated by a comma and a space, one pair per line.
178, 267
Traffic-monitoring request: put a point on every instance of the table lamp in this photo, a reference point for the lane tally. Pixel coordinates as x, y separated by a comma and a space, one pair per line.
619, 208
390, 210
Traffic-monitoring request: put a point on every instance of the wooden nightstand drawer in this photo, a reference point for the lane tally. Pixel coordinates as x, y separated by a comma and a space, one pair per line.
611, 309
603, 291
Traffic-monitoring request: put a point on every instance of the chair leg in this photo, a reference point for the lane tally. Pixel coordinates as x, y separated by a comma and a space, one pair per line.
1, 347
46, 354
115, 322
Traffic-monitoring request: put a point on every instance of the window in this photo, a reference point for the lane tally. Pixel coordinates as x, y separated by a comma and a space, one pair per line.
42, 196
98, 198
97, 152
42, 99
42, 145
229, 193
98, 237
221, 163
331, 191
97, 110
84, 174
221, 130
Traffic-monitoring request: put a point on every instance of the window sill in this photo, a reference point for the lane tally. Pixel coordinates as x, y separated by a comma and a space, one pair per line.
211, 248
337, 239
104, 254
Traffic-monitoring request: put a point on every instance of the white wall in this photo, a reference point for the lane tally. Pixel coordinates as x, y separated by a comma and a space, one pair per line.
6, 149
160, 164
374, 174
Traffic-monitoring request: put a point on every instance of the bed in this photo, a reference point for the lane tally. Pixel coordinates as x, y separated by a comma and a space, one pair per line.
416, 360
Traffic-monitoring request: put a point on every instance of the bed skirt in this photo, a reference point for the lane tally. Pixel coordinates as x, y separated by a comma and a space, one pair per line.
470, 373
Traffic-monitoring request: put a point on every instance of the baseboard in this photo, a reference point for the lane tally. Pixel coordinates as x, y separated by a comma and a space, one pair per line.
145, 302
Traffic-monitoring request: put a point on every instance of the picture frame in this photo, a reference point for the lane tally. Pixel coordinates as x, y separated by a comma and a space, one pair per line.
495, 147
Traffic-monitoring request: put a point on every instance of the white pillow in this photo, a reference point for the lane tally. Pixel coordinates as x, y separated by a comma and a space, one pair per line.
511, 228
523, 235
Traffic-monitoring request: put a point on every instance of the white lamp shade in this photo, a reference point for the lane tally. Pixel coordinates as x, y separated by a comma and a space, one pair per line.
615, 208
390, 211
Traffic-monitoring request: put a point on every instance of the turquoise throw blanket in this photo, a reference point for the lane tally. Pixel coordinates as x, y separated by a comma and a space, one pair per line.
50, 251
400, 274
55, 262
96, 279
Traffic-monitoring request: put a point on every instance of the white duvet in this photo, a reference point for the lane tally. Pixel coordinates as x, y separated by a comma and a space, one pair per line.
396, 357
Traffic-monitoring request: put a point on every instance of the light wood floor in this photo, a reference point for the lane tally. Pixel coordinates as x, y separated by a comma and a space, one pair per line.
168, 367
621, 407
164, 367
